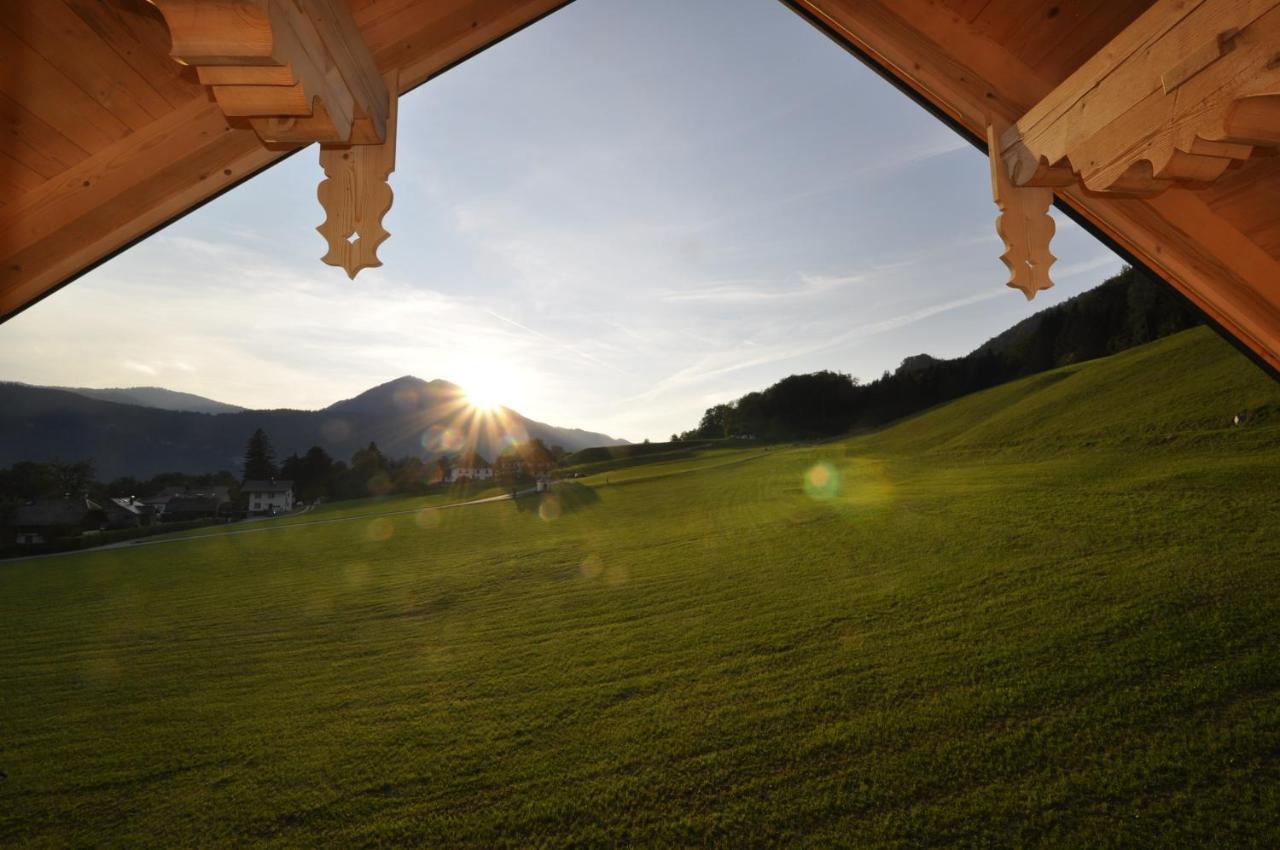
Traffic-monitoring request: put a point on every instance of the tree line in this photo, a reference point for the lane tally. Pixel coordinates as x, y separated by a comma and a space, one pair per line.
1127, 310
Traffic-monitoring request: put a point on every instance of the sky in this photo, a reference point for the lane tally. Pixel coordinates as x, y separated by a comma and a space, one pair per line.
612, 220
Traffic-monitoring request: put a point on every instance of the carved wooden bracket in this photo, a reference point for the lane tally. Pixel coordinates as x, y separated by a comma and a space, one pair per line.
1024, 225
1182, 93
299, 71
355, 196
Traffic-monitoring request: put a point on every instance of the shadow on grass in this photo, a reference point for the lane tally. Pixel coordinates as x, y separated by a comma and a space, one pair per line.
566, 497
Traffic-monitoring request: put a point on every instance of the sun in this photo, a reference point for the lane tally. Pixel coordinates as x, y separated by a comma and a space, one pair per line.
483, 390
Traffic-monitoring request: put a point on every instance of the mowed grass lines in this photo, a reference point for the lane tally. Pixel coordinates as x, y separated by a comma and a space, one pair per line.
888, 641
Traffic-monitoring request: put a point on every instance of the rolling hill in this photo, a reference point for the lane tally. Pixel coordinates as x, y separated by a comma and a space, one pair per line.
1042, 615
407, 416
157, 397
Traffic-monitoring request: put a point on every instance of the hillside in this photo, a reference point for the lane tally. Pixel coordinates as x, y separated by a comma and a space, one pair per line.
404, 417
1125, 311
157, 397
1043, 615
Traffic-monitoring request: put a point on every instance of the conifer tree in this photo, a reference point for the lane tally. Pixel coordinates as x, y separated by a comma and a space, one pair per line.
259, 458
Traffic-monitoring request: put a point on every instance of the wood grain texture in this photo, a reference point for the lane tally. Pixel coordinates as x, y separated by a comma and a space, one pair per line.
1024, 224
1178, 96
356, 195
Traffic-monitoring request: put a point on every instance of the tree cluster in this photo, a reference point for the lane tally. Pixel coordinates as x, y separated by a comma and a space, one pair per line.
1125, 311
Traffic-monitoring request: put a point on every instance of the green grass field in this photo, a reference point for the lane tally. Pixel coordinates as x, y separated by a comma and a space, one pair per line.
1045, 614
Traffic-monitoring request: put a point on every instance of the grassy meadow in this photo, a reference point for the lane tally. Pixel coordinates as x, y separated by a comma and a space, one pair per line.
1045, 614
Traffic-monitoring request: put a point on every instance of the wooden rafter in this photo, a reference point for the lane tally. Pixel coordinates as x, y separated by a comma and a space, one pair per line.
1185, 91
298, 70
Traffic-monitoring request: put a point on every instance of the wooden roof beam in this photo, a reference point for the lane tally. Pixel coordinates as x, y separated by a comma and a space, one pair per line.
1216, 266
1182, 93
299, 70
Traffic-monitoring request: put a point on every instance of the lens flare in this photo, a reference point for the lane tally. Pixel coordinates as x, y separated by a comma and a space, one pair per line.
592, 566
550, 508
380, 529
822, 482
335, 430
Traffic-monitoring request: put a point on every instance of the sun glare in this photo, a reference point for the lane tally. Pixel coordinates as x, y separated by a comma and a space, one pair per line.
484, 392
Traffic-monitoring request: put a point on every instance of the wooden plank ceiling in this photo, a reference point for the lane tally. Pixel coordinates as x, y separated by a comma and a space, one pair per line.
106, 138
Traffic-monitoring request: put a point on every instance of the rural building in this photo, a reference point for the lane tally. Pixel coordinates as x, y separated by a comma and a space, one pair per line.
187, 508
125, 513
159, 503
1152, 122
268, 497
46, 520
530, 458
471, 467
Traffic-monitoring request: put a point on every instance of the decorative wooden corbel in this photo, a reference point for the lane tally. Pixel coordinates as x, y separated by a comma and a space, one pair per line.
1024, 224
1176, 98
355, 196
299, 71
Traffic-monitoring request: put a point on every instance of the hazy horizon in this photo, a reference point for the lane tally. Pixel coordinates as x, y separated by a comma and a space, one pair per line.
593, 238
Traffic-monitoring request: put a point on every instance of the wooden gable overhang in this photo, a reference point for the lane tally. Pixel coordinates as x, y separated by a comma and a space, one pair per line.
1153, 121
1209, 224
108, 137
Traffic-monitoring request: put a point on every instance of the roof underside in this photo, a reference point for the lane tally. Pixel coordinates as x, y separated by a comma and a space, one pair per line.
106, 138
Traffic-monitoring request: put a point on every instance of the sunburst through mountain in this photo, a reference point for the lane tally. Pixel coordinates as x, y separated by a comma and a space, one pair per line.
405, 417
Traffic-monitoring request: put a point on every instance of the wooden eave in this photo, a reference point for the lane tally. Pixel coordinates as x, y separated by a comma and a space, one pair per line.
106, 138
982, 61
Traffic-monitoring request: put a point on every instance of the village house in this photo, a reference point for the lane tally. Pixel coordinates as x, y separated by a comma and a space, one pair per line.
530, 458
160, 502
125, 513
268, 498
194, 506
46, 520
471, 467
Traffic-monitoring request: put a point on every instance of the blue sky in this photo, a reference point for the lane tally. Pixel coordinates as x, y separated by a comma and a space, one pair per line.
612, 220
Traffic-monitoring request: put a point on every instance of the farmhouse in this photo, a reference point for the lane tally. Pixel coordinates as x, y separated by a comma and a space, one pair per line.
52, 519
530, 457
471, 467
268, 497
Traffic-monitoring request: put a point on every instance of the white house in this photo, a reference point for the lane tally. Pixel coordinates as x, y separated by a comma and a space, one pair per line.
472, 467
269, 497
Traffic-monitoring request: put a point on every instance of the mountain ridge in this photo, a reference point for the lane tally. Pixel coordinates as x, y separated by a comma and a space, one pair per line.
405, 417
157, 398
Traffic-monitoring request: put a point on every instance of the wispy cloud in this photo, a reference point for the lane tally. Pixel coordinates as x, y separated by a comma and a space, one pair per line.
726, 362
756, 291
885, 164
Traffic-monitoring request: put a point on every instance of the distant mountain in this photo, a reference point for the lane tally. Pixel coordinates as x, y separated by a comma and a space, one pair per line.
157, 397
407, 416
